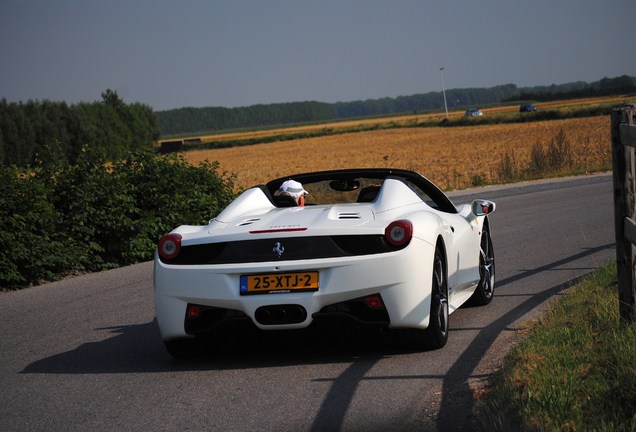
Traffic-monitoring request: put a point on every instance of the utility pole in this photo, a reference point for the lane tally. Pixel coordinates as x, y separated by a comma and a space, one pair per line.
441, 74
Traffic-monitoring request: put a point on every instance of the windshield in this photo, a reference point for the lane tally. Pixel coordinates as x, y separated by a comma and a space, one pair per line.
362, 185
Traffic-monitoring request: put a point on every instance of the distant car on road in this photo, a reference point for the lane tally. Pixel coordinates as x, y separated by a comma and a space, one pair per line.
473, 112
527, 108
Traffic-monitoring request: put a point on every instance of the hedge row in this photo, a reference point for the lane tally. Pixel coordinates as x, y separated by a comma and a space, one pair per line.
92, 216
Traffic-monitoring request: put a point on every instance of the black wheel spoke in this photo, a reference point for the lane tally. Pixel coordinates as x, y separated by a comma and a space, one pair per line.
435, 335
485, 289
441, 297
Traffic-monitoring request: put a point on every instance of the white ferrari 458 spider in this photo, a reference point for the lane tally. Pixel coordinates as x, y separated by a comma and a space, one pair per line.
383, 247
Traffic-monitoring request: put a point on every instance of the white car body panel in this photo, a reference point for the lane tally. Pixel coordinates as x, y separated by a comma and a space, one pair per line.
402, 277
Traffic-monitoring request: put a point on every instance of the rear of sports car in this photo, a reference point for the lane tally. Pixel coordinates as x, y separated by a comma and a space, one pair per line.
287, 268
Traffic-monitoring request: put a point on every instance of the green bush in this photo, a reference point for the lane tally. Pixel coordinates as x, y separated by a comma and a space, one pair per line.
168, 192
32, 248
92, 216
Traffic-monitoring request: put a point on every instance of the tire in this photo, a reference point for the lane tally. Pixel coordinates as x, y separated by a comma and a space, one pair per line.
486, 287
435, 335
437, 331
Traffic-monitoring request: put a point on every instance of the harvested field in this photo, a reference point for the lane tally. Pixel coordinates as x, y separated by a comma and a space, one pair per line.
452, 157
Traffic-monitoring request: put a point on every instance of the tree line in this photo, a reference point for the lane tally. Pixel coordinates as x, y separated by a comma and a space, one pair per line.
57, 132
198, 120
606, 87
455, 98
193, 120
190, 120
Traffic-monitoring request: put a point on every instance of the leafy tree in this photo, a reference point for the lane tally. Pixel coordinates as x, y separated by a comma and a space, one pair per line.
40, 130
1, 146
112, 99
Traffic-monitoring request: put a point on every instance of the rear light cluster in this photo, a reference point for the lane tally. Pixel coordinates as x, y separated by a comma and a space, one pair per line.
374, 302
399, 233
169, 246
194, 311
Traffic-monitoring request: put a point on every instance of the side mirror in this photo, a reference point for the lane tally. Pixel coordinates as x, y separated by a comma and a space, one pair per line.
483, 207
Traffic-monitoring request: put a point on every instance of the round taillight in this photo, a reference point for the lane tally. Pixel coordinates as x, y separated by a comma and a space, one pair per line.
399, 233
169, 246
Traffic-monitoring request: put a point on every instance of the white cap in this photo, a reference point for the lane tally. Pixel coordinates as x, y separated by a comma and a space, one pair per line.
293, 188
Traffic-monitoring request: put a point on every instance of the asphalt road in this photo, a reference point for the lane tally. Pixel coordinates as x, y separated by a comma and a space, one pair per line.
85, 354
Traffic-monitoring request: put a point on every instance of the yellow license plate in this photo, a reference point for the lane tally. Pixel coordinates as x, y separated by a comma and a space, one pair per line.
279, 283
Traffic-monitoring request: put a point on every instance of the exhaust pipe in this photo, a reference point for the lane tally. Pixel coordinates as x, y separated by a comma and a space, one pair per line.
280, 314
263, 315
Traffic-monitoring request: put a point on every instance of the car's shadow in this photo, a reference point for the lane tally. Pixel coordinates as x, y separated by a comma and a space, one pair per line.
139, 349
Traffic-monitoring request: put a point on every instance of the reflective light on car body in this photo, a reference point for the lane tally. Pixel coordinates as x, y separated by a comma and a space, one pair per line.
399, 233
169, 246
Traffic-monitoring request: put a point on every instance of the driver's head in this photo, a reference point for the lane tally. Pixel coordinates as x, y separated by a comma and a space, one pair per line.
294, 189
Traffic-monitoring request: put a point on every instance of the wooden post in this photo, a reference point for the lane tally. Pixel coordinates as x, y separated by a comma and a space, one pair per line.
624, 177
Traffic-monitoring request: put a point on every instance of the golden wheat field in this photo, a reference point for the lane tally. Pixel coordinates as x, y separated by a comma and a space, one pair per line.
450, 157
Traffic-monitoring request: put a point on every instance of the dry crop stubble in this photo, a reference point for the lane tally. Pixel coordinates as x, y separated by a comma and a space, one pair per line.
451, 157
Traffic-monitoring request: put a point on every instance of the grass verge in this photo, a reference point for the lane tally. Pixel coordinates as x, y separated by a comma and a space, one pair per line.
575, 370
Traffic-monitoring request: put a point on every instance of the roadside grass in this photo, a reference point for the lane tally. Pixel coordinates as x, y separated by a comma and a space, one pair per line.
574, 371
560, 156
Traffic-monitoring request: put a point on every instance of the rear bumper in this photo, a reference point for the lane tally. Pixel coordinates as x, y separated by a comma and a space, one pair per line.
401, 278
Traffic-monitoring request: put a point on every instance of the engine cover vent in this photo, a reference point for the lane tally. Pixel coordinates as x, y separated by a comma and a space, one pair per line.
349, 215
249, 221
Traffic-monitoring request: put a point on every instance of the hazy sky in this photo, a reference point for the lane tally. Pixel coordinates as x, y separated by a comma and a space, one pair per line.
171, 54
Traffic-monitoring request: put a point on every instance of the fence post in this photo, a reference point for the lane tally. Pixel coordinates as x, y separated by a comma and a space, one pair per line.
624, 179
